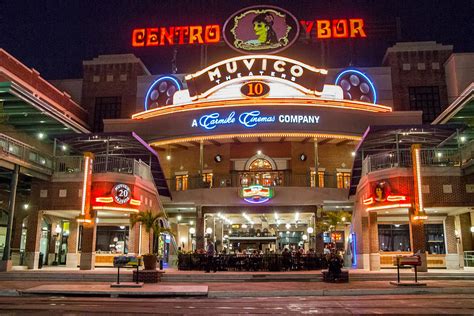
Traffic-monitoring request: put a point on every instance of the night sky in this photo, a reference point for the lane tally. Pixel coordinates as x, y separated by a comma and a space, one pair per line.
54, 37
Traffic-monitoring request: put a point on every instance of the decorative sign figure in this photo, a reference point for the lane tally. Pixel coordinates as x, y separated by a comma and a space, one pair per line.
255, 89
256, 194
263, 29
161, 92
356, 86
121, 193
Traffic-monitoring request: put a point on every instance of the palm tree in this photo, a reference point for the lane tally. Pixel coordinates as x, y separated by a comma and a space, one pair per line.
152, 222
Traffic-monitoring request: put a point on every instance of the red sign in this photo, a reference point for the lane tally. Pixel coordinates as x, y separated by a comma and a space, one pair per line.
337, 28
176, 35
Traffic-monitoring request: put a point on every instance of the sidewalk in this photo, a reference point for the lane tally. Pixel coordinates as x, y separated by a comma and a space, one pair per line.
223, 289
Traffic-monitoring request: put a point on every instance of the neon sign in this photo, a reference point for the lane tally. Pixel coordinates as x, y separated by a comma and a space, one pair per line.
356, 86
337, 28
266, 29
256, 194
307, 78
251, 119
176, 35
161, 92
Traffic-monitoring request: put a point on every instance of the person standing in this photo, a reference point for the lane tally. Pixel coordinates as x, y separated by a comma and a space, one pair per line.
210, 257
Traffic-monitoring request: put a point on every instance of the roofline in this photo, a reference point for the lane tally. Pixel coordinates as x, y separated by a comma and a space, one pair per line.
456, 106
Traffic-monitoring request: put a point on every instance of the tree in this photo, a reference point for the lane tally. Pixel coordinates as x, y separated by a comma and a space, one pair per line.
152, 223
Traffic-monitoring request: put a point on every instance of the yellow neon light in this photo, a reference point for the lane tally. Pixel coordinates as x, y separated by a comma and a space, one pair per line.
84, 185
111, 208
135, 202
387, 207
295, 101
104, 199
254, 135
418, 180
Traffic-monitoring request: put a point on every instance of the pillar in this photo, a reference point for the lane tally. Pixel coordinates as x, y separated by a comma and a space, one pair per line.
53, 238
16, 239
417, 240
219, 235
199, 229
452, 245
6, 263
363, 245
88, 242
33, 237
465, 233
72, 257
316, 163
373, 242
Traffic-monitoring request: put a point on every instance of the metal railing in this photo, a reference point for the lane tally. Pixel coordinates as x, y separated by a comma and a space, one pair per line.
434, 157
13, 148
287, 179
469, 259
103, 164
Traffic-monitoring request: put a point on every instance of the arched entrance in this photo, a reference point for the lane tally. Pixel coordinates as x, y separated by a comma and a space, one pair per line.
261, 170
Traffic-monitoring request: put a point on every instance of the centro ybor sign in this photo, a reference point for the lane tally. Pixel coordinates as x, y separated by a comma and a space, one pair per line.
251, 119
307, 78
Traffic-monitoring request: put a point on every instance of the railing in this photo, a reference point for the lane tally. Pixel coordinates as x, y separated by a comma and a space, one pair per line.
13, 148
103, 164
435, 157
469, 259
287, 179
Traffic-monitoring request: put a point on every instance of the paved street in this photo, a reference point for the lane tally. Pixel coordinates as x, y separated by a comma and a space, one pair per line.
400, 304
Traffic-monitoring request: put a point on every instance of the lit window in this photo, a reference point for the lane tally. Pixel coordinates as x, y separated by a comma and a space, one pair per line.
260, 165
320, 179
207, 179
181, 183
343, 180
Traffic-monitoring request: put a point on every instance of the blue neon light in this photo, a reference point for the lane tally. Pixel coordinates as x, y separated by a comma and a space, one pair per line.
248, 119
354, 249
157, 81
363, 76
250, 200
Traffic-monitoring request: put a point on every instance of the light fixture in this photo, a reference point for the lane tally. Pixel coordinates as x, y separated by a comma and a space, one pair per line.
244, 226
397, 225
230, 232
26, 206
168, 157
472, 229
64, 147
58, 229
353, 154
182, 240
209, 230
310, 230
304, 237
41, 135
191, 222
288, 226
439, 154
122, 227
259, 152
463, 139
192, 230
179, 217
297, 216
343, 219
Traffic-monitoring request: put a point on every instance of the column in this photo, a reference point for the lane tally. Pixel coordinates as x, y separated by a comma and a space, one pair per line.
6, 263
316, 163
466, 235
16, 239
88, 241
374, 242
72, 257
363, 245
219, 235
33, 237
318, 235
452, 246
199, 228
53, 238
417, 239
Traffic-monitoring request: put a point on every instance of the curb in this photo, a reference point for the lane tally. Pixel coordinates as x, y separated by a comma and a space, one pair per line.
346, 292
9, 292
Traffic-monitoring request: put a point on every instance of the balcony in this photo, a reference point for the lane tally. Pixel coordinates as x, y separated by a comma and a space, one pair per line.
25, 155
104, 164
233, 180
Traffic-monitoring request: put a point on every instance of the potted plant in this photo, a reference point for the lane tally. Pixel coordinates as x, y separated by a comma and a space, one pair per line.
151, 222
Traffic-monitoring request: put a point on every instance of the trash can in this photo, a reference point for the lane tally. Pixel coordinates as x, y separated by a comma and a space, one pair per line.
40, 261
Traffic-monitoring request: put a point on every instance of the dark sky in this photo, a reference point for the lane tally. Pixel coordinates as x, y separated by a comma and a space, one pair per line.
55, 36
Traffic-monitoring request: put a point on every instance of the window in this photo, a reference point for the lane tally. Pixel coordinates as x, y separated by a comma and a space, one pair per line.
106, 108
320, 179
112, 239
434, 236
425, 99
343, 180
207, 179
260, 164
181, 183
394, 237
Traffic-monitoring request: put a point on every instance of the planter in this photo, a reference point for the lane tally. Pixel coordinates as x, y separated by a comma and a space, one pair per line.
149, 262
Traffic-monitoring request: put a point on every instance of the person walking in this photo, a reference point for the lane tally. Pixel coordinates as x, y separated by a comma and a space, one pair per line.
210, 257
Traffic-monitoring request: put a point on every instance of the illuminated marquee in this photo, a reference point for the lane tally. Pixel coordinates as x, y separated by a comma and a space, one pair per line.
307, 78
251, 119
256, 194
337, 28
176, 35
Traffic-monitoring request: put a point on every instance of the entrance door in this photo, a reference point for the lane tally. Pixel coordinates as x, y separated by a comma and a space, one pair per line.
63, 250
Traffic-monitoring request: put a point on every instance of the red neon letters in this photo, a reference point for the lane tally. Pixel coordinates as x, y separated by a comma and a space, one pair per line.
176, 35
337, 28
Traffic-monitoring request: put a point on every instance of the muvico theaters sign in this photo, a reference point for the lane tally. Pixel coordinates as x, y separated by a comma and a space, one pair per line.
263, 29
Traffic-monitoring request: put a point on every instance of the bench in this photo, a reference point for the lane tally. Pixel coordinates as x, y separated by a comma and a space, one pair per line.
343, 277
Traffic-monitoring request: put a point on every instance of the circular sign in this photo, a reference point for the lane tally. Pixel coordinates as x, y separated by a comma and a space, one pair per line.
303, 157
356, 86
255, 89
121, 193
261, 29
218, 158
161, 92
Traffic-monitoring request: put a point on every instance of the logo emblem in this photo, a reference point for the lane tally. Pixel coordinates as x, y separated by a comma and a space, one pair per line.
261, 29
121, 193
356, 86
161, 92
256, 194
